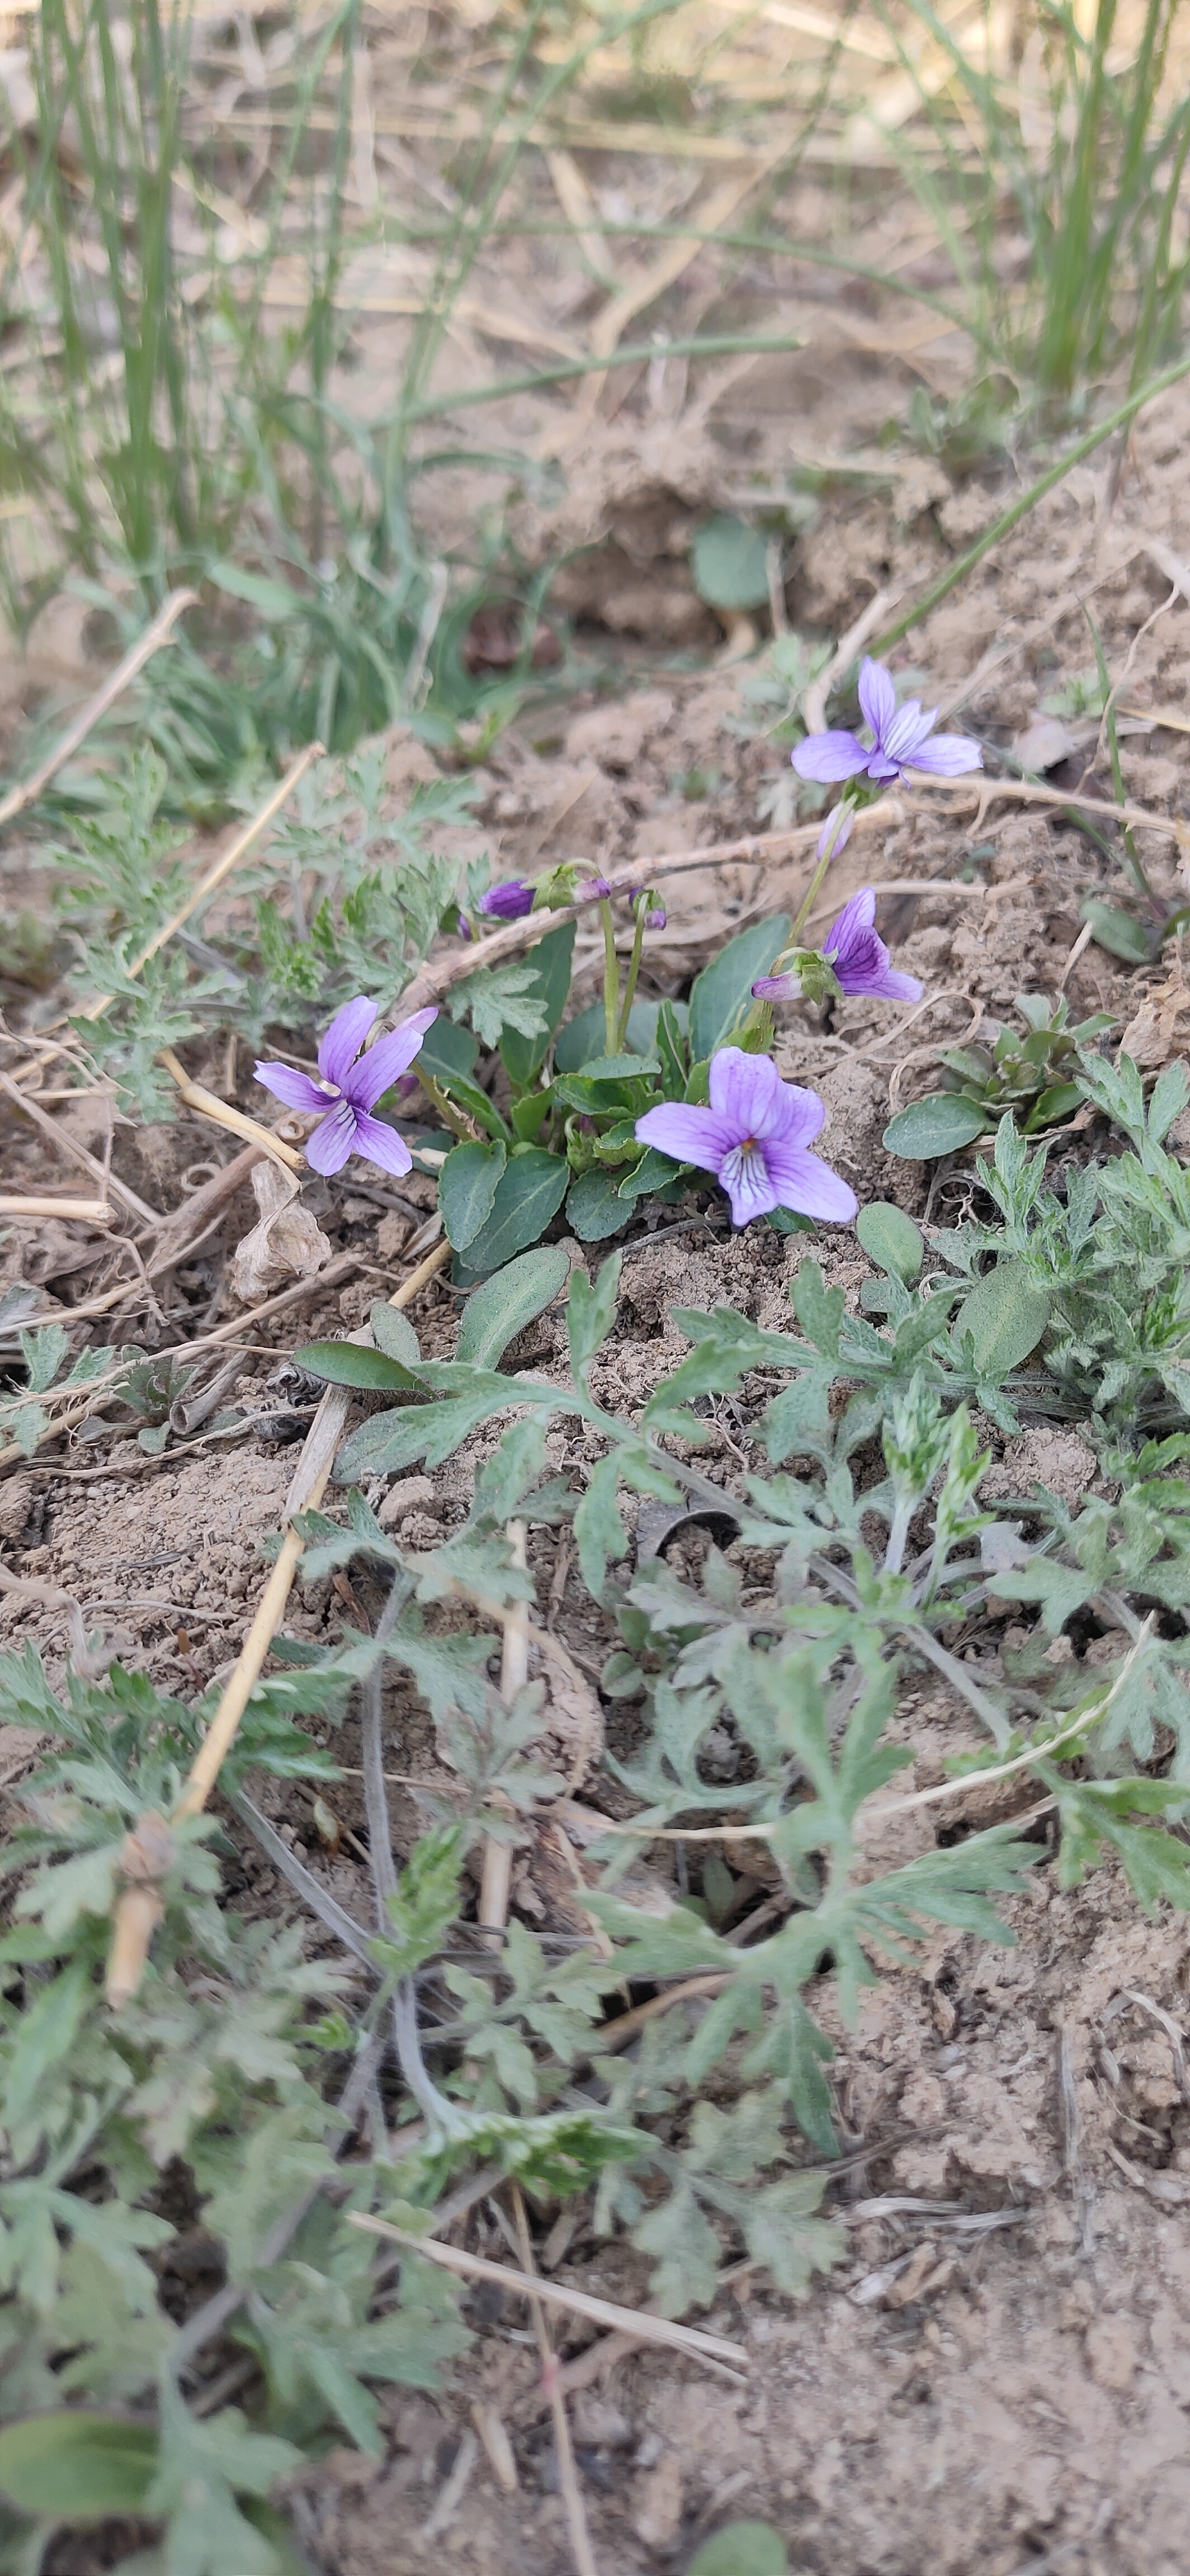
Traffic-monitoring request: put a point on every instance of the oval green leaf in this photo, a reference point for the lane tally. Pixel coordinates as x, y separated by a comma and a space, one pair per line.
742, 2549
393, 1334
939, 1124
595, 1209
723, 992
510, 1299
76, 2467
352, 1364
530, 1191
467, 1186
729, 564
1117, 932
891, 1240
1005, 1317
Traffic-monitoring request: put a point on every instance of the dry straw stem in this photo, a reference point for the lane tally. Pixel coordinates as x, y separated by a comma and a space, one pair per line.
105, 696
601, 2312
208, 1105
305, 1493
572, 2494
84, 1211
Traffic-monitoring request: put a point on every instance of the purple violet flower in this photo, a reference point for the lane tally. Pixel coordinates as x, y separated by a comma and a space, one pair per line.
753, 1138
593, 890
900, 740
508, 901
349, 1088
855, 952
656, 919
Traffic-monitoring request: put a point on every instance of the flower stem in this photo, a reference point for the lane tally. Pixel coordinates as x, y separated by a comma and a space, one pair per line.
841, 817
611, 981
455, 1120
633, 970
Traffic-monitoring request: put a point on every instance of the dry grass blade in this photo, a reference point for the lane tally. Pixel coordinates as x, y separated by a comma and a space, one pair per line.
86, 1211
88, 716
572, 2494
209, 1105
638, 2322
66, 1144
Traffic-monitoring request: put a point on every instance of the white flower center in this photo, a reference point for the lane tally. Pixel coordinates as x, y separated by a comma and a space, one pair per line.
331, 1089
743, 1171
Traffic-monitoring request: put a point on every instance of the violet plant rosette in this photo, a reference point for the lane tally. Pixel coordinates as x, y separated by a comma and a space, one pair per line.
349, 1086
753, 1139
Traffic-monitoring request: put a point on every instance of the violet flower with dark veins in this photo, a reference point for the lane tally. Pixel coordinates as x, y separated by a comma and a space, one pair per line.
903, 738
510, 900
858, 959
349, 1086
753, 1138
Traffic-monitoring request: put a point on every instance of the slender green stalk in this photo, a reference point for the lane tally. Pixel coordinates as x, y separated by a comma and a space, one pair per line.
840, 823
642, 905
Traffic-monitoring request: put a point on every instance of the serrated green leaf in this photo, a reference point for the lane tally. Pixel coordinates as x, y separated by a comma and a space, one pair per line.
940, 1124
508, 1301
73, 2467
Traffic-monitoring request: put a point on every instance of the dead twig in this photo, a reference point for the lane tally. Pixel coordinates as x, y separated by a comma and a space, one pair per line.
105, 696
109, 1186
572, 2494
638, 2322
82, 1211
208, 1105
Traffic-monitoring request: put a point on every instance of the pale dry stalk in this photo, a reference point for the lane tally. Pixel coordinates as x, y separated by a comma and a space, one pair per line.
572, 2494
105, 696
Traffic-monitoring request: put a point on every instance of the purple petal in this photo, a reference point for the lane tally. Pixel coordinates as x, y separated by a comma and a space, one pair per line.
391, 1055
508, 901
745, 1091
802, 1182
745, 1175
877, 697
799, 1115
908, 728
656, 919
333, 1139
828, 757
342, 1041
856, 916
593, 890
882, 768
776, 988
287, 1084
691, 1135
381, 1144
947, 755
837, 829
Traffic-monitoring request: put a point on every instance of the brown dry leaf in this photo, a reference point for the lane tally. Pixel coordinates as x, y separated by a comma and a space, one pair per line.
573, 1719
288, 1243
1154, 1035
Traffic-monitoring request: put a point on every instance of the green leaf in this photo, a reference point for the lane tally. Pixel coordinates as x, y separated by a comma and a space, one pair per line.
270, 599
722, 994
467, 1186
1005, 1318
448, 1052
424, 1902
551, 962
1117, 932
584, 1037
73, 2467
891, 1240
393, 1334
598, 1529
939, 1124
529, 1192
510, 1299
595, 1208
729, 564
352, 1364
591, 1311
742, 2549
1170, 1094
